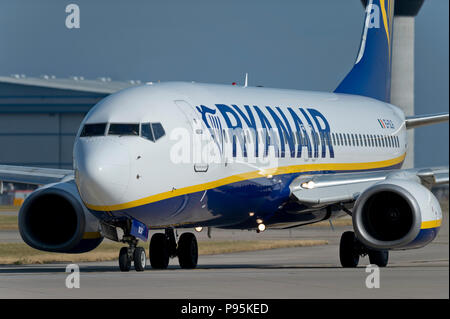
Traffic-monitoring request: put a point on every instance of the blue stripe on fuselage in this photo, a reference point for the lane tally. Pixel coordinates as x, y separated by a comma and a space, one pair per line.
223, 206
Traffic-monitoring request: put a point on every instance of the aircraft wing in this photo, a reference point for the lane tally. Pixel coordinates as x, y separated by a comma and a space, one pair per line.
33, 175
422, 120
327, 189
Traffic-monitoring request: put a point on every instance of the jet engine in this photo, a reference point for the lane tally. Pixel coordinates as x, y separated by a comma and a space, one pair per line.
396, 214
53, 218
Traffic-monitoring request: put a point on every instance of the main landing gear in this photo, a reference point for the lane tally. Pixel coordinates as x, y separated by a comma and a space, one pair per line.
164, 246
350, 249
132, 253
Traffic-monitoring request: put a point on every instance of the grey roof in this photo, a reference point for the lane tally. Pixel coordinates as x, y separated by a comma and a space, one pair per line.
100, 85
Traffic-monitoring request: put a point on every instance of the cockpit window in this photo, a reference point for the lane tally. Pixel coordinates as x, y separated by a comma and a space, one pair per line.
152, 131
158, 130
93, 130
123, 129
147, 132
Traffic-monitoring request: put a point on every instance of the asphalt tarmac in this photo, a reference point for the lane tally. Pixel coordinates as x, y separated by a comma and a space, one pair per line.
305, 272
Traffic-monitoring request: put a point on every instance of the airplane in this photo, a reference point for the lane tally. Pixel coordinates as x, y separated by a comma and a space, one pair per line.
177, 155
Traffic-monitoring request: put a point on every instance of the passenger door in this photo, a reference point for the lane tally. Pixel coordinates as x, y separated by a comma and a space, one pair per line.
198, 134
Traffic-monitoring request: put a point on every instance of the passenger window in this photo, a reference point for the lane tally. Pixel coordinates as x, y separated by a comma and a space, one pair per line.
93, 130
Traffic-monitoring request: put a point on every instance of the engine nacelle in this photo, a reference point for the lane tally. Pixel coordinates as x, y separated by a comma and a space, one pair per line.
53, 218
396, 214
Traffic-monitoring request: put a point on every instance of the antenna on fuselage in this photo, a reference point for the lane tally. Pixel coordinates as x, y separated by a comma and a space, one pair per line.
246, 80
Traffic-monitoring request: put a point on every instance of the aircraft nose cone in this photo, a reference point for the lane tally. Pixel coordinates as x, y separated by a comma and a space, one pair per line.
102, 171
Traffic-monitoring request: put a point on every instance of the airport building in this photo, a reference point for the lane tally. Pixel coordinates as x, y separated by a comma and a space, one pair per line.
40, 117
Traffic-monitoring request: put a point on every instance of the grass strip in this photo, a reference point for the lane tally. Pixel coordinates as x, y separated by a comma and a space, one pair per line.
20, 253
8, 222
9, 208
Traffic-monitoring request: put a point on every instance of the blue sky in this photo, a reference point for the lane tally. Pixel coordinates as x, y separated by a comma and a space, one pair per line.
287, 44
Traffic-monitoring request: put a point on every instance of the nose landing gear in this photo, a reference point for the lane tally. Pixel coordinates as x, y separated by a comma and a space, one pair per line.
350, 250
164, 246
132, 253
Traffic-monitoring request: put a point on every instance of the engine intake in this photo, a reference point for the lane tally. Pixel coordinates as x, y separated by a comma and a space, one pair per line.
389, 215
53, 219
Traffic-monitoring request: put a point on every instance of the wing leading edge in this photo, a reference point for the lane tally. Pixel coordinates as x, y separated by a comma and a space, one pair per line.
327, 189
422, 120
33, 175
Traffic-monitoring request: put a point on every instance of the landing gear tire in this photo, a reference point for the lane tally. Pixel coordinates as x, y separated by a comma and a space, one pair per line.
124, 259
348, 250
159, 251
379, 257
139, 258
187, 251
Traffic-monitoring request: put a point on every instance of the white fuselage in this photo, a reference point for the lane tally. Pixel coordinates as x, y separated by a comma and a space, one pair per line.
168, 181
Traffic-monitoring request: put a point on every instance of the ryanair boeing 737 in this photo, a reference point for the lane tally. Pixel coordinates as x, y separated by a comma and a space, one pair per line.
175, 155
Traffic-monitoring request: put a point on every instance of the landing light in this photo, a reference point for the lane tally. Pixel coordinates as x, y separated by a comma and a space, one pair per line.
261, 227
259, 221
198, 229
308, 185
